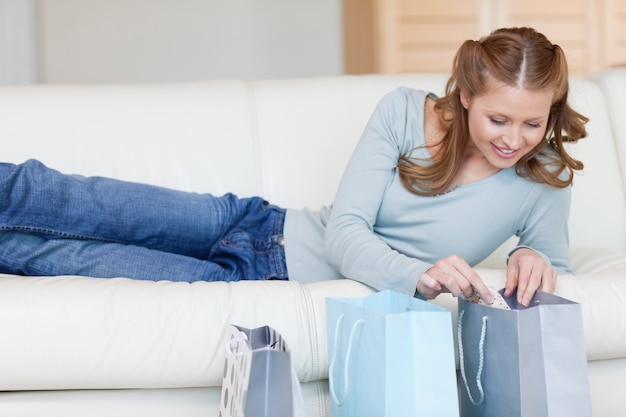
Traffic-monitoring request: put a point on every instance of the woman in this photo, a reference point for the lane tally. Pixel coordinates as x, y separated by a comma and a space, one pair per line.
433, 187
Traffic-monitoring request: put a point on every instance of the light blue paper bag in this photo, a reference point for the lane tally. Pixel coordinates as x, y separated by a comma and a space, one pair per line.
390, 355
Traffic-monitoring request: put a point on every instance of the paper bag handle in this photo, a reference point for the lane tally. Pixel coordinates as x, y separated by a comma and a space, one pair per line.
232, 345
481, 352
331, 366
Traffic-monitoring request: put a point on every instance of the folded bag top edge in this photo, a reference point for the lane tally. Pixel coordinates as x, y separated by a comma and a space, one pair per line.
390, 302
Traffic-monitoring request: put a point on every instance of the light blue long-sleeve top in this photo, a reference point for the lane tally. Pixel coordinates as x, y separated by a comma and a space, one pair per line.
379, 233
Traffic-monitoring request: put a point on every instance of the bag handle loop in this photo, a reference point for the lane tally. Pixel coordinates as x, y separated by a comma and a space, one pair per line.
481, 352
232, 346
346, 367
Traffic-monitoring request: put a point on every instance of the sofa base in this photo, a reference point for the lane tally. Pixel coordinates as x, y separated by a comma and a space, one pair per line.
188, 402
203, 402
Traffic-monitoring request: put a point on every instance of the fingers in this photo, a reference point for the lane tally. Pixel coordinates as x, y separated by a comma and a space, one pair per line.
528, 281
548, 283
528, 272
428, 287
453, 275
512, 274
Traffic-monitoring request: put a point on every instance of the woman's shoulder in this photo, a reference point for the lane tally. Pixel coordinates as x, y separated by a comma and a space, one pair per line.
398, 120
403, 103
528, 195
552, 162
404, 94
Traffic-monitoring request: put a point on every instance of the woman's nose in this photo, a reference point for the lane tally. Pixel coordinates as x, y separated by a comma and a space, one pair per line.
513, 137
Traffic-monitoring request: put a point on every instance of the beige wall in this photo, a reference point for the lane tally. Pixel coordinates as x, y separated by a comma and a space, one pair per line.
109, 41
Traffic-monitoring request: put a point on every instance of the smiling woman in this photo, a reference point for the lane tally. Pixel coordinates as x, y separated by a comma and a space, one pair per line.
505, 107
521, 80
433, 187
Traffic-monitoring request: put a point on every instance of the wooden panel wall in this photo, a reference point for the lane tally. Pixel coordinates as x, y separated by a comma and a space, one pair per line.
391, 36
615, 33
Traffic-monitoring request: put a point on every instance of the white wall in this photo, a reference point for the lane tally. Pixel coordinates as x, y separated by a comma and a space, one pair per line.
112, 41
18, 53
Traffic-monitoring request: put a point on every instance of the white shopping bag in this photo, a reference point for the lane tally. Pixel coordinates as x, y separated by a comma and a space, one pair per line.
259, 380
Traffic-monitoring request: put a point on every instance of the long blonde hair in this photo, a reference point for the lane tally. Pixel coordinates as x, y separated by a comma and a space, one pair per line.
520, 57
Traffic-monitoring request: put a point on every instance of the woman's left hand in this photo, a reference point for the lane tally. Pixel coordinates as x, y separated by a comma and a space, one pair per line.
528, 271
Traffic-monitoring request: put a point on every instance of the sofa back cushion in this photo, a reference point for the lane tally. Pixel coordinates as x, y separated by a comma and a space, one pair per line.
287, 140
308, 129
613, 85
192, 136
598, 213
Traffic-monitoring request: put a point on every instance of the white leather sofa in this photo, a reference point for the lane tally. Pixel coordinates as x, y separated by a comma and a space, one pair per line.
75, 346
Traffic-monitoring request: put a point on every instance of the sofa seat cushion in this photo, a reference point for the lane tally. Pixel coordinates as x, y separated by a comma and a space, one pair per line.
89, 333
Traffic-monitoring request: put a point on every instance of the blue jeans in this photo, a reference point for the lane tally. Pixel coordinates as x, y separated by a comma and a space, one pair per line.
56, 224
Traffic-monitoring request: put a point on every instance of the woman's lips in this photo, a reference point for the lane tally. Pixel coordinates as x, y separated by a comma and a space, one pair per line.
504, 152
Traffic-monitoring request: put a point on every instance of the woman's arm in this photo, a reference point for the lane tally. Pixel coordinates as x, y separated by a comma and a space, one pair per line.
351, 244
543, 249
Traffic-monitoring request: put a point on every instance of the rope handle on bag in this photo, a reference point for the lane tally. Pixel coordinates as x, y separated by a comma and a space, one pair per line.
481, 352
331, 366
232, 345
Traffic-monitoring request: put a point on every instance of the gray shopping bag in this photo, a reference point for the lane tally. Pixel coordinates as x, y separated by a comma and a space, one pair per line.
259, 380
390, 355
523, 362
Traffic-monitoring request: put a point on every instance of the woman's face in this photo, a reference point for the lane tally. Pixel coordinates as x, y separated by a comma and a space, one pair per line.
508, 122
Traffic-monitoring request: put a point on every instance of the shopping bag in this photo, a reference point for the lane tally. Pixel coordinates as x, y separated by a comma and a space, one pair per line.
390, 355
259, 380
523, 362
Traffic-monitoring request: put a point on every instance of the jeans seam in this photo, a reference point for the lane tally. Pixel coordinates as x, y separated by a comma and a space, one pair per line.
56, 233
279, 254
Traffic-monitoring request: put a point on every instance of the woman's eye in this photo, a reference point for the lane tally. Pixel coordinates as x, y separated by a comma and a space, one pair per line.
497, 121
533, 125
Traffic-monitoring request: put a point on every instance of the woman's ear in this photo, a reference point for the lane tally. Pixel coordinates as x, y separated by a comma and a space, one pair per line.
464, 99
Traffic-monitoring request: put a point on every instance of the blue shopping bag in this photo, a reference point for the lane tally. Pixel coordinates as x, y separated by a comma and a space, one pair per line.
390, 355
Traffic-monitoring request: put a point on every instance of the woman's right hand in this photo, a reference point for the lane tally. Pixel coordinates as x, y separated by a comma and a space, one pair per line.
453, 275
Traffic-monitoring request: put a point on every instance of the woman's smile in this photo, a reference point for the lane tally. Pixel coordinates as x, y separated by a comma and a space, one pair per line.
504, 152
